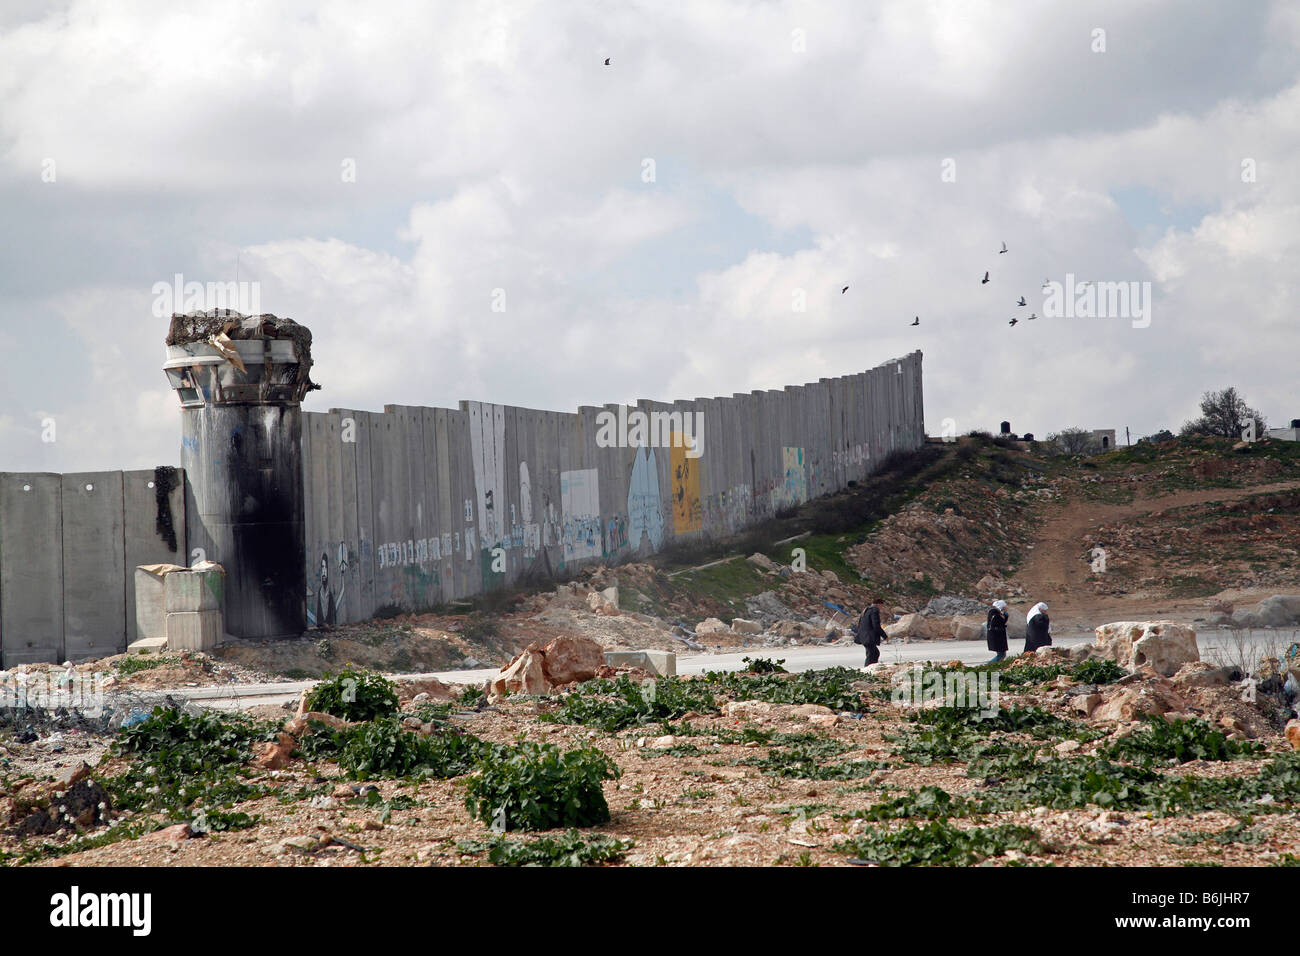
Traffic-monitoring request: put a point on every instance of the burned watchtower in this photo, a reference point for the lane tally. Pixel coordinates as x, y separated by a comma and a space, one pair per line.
240, 380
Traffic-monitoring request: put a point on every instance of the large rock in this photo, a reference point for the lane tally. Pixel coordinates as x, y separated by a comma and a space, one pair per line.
968, 627
1162, 645
436, 689
1154, 696
745, 626
1293, 734
567, 659
762, 561
604, 603
920, 626
711, 625
1280, 610
526, 674
1205, 674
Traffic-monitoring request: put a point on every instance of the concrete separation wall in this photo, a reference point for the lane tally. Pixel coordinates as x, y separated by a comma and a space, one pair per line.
415, 506
69, 545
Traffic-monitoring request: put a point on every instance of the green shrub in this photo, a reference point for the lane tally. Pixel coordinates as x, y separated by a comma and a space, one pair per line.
940, 844
533, 786
1178, 740
385, 749
764, 665
830, 687
571, 849
1098, 672
613, 705
356, 695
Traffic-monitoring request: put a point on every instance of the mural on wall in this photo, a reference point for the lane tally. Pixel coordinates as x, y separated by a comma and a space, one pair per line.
795, 488
580, 506
323, 605
688, 512
487, 438
644, 505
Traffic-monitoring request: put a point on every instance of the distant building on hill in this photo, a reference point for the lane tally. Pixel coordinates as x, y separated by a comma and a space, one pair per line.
1287, 434
1104, 438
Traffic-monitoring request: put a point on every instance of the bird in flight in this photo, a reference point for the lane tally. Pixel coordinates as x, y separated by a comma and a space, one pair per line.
845, 289
1003, 249
607, 61
917, 320
1022, 301
1032, 316
1013, 321
985, 279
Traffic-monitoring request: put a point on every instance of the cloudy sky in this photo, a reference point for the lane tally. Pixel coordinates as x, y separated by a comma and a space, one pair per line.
463, 202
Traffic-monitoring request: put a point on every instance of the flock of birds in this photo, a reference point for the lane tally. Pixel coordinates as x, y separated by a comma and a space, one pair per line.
985, 281
1021, 303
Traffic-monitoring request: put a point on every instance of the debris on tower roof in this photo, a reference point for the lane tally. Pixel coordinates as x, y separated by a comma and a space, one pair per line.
218, 327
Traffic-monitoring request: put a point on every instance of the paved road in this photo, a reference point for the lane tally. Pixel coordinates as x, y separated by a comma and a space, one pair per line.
802, 658
1215, 646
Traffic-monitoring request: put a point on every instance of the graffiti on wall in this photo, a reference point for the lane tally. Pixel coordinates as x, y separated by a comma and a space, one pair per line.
580, 506
688, 511
794, 488
487, 439
615, 534
729, 510
644, 508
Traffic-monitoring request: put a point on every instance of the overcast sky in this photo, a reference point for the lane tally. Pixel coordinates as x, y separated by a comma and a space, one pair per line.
380, 169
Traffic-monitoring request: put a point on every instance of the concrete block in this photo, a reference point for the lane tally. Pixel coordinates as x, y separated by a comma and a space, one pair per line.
194, 630
147, 645
150, 606
193, 591
660, 663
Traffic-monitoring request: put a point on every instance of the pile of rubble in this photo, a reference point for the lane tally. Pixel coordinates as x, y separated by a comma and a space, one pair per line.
1280, 610
1167, 678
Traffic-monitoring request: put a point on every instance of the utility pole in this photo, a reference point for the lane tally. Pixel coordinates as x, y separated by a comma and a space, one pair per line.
1127, 439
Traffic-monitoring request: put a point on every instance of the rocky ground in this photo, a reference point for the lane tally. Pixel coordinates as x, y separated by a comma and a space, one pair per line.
734, 771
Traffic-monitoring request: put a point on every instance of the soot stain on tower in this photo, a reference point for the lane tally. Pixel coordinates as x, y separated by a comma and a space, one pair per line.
241, 380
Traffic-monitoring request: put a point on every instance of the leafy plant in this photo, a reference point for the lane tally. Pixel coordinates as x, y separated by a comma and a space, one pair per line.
830, 687
384, 748
1179, 740
1097, 672
571, 849
533, 786
356, 695
764, 665
940, 844
613, 705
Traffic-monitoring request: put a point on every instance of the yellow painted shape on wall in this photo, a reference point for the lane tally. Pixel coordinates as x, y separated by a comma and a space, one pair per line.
688, 512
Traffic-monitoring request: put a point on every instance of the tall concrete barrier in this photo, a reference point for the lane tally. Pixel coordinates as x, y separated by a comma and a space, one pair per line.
69, 546
414, 507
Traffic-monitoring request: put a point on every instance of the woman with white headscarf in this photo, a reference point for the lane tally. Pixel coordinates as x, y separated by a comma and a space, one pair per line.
1038, 626
996, 627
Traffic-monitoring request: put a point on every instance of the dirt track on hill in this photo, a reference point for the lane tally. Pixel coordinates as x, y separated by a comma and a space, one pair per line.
1056, 573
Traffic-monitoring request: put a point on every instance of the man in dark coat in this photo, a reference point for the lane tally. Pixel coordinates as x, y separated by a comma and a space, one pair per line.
997, 631
1038, 631
868, 631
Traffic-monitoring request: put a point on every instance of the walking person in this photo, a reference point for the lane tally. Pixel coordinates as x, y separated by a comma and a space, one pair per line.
868, 631
1038, 628
997, 631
